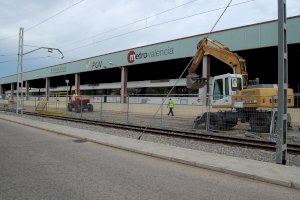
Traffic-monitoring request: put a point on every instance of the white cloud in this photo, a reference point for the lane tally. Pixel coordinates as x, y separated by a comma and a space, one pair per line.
91, 17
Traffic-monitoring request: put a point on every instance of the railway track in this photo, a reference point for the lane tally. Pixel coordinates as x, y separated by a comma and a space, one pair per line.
229, 140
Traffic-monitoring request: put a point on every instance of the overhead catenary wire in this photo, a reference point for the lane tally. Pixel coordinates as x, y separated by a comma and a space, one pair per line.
158, 24
211, 30
56, 14
212, 10
31, 58
14, 54
187, 66
131, 23
29, 45
137, 29
7, 37
7, 61
3, 55
43, 21
113, 29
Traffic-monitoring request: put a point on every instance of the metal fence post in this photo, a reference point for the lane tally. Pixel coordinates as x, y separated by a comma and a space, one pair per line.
161, 113
67, 101
207, 113
34, 103
273, 113
127, 116
101, 107
22, 96
80, 107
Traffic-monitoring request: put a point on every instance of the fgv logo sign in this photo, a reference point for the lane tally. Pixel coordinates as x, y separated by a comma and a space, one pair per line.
93, 65
131, 56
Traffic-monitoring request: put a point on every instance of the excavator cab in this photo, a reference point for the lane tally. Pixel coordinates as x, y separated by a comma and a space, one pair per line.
223, 87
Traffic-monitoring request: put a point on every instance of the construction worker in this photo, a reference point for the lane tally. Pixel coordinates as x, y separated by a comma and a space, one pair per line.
170, 106
74, 96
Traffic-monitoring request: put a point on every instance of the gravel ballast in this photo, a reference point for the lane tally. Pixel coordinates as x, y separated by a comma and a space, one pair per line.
249, 153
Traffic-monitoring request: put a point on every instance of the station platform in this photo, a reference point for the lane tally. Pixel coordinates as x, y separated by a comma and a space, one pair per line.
288, 176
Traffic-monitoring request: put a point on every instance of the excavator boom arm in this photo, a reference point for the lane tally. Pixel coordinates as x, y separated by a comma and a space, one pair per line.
198, 56
221, 52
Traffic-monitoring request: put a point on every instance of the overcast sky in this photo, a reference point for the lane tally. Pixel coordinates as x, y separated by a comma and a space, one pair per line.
76, 26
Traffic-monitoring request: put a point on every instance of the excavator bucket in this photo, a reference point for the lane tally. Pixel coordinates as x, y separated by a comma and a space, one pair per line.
194, 81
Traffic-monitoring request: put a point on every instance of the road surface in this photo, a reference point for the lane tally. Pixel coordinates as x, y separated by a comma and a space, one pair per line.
36, 164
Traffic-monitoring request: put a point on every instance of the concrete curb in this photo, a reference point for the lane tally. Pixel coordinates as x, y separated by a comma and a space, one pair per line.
287, 176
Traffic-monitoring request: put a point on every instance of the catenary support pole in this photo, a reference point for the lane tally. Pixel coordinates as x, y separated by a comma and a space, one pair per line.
281, 151
20, 72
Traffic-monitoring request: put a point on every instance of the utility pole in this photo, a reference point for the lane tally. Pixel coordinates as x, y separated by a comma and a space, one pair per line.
281, 146
20, 72
20, 103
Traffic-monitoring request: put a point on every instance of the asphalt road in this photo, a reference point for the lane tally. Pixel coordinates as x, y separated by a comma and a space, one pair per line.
36, 164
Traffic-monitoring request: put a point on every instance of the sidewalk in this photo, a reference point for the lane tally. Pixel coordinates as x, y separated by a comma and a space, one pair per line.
288, 176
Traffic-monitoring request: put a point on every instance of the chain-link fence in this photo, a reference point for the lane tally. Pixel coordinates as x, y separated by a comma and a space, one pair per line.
178, 112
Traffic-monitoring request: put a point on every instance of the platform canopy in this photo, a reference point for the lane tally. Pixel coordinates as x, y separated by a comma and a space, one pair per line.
253, 36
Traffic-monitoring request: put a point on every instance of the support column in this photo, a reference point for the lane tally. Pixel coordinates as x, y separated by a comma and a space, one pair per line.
27, 90
205, 74
47, 89
1, 91
77, 84
124, 79
12, 91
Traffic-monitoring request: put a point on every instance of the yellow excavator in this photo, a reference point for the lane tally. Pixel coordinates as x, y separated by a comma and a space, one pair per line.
230, 93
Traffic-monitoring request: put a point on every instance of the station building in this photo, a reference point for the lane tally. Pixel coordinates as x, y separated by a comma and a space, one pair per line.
142, 70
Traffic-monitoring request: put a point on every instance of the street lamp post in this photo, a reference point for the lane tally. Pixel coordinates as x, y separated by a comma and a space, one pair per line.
67, 82
20, 67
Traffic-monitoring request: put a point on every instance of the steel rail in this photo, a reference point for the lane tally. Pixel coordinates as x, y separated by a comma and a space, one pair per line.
205, 136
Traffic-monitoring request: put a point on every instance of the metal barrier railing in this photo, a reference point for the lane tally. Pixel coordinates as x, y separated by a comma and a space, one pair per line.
192, 114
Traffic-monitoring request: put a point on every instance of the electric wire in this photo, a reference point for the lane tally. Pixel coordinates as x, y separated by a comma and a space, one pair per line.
211, 30
110, 30
7, 55
31, 58
58, 13
13, 54
45, 20
158, 24
131, 23
3, 55
29, 45
187, 66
